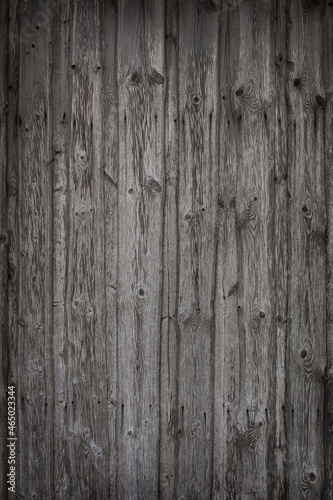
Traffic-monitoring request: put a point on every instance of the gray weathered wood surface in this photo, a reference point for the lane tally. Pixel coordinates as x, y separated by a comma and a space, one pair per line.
166, 255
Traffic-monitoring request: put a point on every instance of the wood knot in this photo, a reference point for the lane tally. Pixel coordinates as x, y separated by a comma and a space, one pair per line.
297, 82
191, 219
309, 478
233, 290
239, 92
190, 317
307, 360
153, 186
303, 353
135, 77
196, 100
156, 77
312, 477
280, 320
320, 101
82, 157
141, 293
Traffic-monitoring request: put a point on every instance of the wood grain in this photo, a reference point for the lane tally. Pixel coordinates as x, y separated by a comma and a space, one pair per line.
328, 373
13, 373
197, 219
227, 468
141, 190
4, 12
246, 369
280, 320
61, 95
85, 402
165, 247
307, 252
34, 261
111, 167
169, 323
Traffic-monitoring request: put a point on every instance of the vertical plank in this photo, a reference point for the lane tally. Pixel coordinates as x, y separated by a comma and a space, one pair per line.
254, 98
85, 409
61, 22
4, 12
328, 83
12, 197
197, 212
170, 329
307, 250
141, 189
33, 359
245, 367
278, 467
227, 338
111, 165
12, 189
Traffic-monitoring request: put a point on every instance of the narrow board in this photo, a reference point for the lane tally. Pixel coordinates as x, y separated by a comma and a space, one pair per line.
306, 346
197, 218
141, 188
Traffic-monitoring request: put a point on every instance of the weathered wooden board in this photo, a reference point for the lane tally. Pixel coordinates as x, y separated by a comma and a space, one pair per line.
196, 228
3, 235
328, 373
169, 322
11, 191
306, 342
111, 167
32, 364
165, 247
280, 318
245, 381
141, 179
85, 408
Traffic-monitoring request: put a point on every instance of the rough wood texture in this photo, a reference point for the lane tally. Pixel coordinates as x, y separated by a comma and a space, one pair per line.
280, 312
85, 403
166, 248
306, 343
169, 323
33, 364
246, 301
3, 233
60, 152
197, 217
111, 166
328, 85
141, 190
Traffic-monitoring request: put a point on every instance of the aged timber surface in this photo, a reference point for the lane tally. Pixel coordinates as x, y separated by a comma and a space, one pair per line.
166, 258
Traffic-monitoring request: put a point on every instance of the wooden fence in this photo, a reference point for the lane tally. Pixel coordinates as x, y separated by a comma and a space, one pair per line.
166, 248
